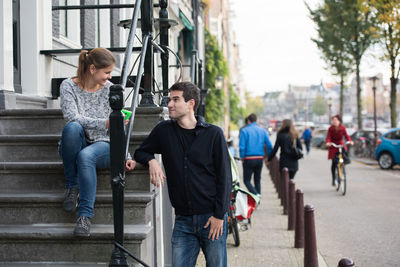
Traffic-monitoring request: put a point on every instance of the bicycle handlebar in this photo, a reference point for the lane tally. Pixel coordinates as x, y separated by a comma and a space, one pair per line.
339, 146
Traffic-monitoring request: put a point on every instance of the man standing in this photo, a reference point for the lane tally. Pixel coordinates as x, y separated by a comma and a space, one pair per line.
307, 138
198, 171
252, 143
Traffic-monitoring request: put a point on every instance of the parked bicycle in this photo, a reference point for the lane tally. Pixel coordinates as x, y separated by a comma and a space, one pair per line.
233, 225
242, 205
340, 171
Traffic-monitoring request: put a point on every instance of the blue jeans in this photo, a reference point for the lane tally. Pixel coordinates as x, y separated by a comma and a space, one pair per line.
80, 161
250, 167
307, 143
189, 235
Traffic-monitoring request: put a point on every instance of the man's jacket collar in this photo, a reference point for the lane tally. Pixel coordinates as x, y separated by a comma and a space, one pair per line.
200, 122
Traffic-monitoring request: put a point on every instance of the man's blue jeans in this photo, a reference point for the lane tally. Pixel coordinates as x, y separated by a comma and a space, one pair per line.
189, 236
80, 161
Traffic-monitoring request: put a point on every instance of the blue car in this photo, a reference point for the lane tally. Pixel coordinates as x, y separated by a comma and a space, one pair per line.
388, 150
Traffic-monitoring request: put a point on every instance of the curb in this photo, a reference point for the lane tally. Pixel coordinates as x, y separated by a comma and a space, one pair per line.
366, 161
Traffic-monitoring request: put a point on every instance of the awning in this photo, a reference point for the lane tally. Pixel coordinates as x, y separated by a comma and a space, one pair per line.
185, 21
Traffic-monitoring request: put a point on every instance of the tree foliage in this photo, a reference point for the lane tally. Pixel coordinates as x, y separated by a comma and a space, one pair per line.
331, 40
359, 34
254, 104
387, 16
215, 66
319, 106
235, 111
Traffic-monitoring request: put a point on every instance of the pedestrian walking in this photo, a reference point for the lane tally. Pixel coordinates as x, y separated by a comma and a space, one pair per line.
307, 135
198, 173
252, 143
85, 143
289, 143
335, 134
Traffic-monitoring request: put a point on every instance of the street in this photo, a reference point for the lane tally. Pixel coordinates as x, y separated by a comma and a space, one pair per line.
363, 225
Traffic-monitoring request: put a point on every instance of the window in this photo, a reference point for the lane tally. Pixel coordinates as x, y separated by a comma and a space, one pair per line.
63, 19
102, 18
393, 135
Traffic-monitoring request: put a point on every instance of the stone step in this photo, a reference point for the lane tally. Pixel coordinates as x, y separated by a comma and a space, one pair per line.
25, 208
53, 264
56, 243
36, 177
50, 121
42, 147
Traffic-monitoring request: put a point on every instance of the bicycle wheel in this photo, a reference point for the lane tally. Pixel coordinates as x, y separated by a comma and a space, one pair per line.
234, 228
337, 177
343, 181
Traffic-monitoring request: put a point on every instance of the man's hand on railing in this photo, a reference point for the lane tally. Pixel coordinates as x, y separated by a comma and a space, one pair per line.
157, 175
130, 165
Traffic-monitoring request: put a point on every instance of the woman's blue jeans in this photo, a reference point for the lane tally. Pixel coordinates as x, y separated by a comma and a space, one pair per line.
80, 161
189, 236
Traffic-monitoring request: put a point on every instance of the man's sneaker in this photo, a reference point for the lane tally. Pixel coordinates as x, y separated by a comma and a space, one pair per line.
70, 199
82, 227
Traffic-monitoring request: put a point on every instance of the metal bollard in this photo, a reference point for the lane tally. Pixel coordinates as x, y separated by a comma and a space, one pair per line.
310, 242
346, 262
292, 206
299, 230
285, 191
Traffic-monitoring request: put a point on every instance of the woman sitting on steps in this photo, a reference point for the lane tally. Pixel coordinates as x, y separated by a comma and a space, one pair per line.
85, 138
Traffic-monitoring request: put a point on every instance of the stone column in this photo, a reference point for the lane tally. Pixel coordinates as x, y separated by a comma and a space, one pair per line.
7, 98
36, 35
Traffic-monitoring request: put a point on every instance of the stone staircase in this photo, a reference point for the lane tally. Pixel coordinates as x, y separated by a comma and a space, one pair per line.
34, 229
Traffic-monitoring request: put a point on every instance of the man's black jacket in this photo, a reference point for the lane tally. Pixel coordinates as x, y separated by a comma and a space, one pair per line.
200, 180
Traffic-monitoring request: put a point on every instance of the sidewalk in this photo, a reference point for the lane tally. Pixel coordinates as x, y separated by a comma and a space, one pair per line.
267, 242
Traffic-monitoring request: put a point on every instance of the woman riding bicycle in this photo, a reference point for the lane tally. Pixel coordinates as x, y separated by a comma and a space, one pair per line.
335, 135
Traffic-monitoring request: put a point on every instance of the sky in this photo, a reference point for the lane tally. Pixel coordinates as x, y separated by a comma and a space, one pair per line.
276, 49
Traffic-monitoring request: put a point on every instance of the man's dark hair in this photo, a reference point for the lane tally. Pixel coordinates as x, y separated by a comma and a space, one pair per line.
190, 91
252, 117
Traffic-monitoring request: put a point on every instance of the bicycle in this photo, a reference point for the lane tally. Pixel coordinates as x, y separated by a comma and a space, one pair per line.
340, 171
233, 224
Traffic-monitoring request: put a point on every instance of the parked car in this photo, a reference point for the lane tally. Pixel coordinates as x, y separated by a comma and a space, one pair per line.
388, 150
363, 143
318, 138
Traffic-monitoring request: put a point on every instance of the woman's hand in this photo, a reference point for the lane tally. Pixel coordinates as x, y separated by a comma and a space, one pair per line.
130, 165
328, 144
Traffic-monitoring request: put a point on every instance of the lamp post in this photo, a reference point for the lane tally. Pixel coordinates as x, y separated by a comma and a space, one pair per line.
219, 82
329, 102
374, 79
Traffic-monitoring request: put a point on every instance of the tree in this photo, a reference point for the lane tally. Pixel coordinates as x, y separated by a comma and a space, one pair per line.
319, 106
359, 34
236, 113
387, 14
331, 40
215, 66
254, 104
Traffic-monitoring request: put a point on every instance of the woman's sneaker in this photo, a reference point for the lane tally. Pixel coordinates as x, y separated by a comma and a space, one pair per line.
82, 227
70, 199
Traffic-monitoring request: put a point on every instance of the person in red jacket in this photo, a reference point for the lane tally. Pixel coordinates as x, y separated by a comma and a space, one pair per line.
335, 135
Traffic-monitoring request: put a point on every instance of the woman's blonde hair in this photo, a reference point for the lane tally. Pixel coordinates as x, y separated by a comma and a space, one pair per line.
99, 57
287, 125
